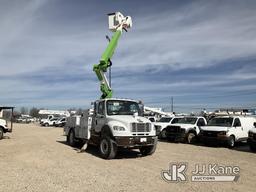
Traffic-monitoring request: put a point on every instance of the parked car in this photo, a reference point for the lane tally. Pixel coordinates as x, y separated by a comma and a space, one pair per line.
161, 125
61, 122
186, 129
23, 120
252, 138
50, 122
227, 129
49, 117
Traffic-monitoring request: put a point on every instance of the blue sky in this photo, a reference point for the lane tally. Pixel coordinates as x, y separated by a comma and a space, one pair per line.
201, 53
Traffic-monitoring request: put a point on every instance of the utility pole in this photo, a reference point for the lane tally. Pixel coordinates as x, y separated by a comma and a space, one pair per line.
172, 104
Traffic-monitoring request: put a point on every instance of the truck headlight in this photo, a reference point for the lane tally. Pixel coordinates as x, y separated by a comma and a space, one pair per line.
250, 134
118, 128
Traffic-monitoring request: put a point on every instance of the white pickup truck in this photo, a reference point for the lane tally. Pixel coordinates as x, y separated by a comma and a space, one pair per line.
186, 129
161, 125
3, 128
114, 123
252, 137
227, 129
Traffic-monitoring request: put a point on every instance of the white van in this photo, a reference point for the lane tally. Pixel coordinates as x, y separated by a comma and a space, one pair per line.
252, 138
227, 129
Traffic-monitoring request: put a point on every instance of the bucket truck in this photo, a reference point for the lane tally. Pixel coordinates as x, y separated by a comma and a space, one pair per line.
112, 123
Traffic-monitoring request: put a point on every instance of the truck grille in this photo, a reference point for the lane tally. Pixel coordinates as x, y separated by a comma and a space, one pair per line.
210, 133
140, 127
173, 129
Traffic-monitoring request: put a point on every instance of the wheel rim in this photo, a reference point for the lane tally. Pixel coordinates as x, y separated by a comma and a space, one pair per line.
104, 146
232, 142
1, 133
164, 134
190, 137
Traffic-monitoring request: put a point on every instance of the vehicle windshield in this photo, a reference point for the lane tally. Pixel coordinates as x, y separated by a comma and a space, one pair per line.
119, 107
187, 120
165, 120
227, 122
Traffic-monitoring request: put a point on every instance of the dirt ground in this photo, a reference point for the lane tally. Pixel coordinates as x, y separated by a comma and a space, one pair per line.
36, 158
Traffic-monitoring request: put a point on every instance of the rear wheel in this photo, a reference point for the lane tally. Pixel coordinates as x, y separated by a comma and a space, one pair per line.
1, 133
231, 142
71, 138
46, 124
108, 148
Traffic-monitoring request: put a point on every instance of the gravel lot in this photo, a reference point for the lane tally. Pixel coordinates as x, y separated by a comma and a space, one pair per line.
35, 158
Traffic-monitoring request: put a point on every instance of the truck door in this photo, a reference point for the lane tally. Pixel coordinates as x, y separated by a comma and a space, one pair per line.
200, 123
99, 116
240, 133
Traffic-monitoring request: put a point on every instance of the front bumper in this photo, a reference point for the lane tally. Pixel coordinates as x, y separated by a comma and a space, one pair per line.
217, 139
133, 142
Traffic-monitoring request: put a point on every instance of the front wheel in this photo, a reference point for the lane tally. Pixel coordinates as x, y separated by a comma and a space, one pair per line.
148, 150
191, 138
231, 142
162, 134
108, 148
1, 133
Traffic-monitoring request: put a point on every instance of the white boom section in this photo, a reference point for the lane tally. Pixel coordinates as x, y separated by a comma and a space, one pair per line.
158, 111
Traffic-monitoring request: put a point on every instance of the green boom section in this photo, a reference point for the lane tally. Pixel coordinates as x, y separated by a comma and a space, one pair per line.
102, 67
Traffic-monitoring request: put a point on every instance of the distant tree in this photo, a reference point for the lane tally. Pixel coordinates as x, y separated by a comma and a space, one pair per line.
79, 111
24, 110
34, 112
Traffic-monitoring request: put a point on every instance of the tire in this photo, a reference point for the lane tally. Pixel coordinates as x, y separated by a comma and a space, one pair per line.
46, 124
252, 147
71, 138
231, 142
148, 150
108, 148
162, 134
1, 133
191, 138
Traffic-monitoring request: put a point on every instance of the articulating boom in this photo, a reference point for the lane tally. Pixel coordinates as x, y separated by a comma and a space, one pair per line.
117, 23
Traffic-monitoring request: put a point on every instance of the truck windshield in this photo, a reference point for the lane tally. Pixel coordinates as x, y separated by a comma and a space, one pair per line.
187, 120
227, 122
119, 107
165, 120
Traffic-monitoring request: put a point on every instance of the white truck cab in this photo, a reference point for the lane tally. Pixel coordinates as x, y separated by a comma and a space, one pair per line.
3, 128
227, 129
50, 122
252, 137
49, 117
162, 123
114, 123
186, 129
